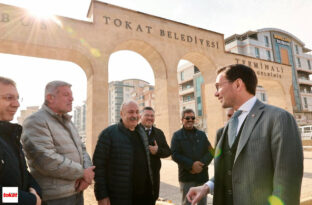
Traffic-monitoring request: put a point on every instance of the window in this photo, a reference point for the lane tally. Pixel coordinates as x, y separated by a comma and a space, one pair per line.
269, 55
266, 39
187, 85
196, 70
263, 97
305, 102
309, 64
257, 52
182, 76
299, 62
297, 50
187, 98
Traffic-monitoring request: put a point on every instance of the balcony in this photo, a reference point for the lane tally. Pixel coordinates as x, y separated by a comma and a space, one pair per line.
306, 93
305, 81
306, 55
186, 91
304, 70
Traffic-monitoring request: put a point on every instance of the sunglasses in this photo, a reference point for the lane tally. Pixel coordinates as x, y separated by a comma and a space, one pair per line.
190, 118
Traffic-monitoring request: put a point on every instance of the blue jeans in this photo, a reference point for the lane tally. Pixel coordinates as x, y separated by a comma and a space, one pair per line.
185, 187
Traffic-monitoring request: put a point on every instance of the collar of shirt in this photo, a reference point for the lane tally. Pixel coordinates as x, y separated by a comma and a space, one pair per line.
245, 108
148, 130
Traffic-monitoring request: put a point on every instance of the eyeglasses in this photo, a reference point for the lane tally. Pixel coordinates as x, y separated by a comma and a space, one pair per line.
218, 85
189, 118
148, 115
10, 98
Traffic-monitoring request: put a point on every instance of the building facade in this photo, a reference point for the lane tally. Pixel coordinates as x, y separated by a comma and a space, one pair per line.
191, 90
119, 91
25, 113
144, 96
79, 120
282, 47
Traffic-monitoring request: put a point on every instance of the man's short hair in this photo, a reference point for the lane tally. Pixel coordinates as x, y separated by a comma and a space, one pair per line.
187, 111
127, 102
51, 88
245, 73
7, 81
148, 108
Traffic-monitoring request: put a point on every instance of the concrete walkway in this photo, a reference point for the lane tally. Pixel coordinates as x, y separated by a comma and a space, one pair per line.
169, 187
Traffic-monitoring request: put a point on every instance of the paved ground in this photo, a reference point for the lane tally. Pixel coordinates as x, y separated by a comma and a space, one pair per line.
169, 187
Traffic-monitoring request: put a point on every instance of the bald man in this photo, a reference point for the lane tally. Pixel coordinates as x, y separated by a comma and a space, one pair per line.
123, 174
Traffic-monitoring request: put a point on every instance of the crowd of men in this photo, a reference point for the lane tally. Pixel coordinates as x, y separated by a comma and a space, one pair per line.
258, 157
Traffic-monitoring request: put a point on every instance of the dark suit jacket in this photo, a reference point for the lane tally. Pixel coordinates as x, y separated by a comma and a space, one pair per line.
163, 152
268, 163
218, 136
13, 168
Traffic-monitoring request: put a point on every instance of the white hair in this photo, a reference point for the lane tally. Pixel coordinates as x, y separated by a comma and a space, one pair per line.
127, 102
51, 88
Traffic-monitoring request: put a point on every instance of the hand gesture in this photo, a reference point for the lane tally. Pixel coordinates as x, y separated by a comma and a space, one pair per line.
88, 174
197, 167
81, 185
195, 194
33, 191
104, 201
153, 149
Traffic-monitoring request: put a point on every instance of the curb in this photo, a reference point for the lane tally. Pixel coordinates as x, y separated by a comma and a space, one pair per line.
306, 201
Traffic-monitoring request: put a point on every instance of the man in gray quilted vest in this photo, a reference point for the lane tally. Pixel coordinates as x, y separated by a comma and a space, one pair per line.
56, 155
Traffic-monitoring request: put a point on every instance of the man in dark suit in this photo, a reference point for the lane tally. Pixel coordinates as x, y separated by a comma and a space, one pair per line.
158, 146
262, 159
229, 112
13, 168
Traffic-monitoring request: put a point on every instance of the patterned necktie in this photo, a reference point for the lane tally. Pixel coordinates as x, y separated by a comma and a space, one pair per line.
233, 127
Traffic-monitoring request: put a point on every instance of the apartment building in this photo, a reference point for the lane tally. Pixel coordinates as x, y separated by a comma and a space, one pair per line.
280, 46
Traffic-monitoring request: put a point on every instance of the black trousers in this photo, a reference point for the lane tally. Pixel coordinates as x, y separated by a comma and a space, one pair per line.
144, 199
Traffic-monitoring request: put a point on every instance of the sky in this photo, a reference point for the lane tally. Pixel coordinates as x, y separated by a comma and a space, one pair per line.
223, 16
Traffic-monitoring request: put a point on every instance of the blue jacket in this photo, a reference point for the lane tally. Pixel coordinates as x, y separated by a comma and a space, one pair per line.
13, 168
186, 150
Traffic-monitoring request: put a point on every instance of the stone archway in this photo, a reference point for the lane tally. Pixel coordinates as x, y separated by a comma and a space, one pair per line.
207, 68
162, 42
163, 88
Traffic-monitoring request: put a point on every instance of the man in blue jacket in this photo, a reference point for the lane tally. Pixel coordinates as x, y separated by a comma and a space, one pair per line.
13, 169
192, 151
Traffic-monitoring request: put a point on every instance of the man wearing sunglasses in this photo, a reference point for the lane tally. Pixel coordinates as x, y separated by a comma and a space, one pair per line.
192, 151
